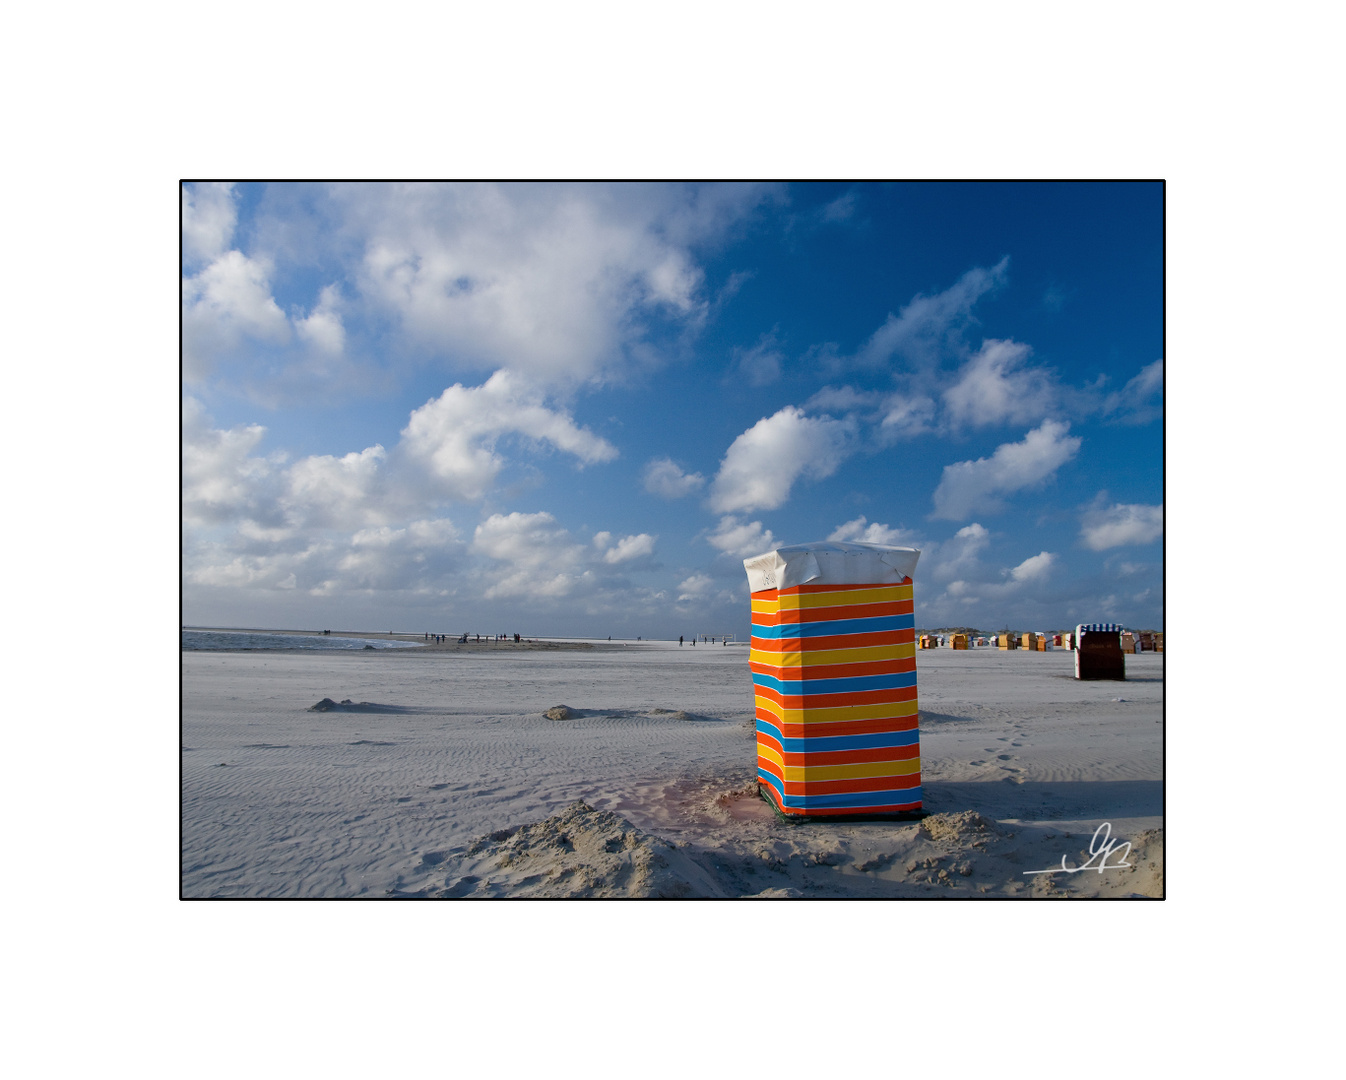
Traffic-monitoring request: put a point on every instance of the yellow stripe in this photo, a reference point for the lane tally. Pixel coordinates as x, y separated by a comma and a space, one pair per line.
886, 594
862, 771
871, 655
842, 714
765, 751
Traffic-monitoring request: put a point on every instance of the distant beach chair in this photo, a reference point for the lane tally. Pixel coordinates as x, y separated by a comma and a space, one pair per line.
1098, 651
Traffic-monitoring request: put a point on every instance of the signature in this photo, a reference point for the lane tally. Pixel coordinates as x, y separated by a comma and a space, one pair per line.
1100, 847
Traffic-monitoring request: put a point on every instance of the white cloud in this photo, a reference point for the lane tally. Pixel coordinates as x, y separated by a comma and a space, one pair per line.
894, 415
221, 480
843, 399
421, 559
208, 220
763, 463
341, 492
1104, 527
454, 435
973, 534
995, 387
906, 417
928, 324
322, 327
335, 524
540, 559
663, 477
957, 556
555, 281
840, 209
743, 539
229, 299
1141, 399
969, 486
1033, 569
858, 532
695, 588
759, 365
560, 282
630, 547
537, 558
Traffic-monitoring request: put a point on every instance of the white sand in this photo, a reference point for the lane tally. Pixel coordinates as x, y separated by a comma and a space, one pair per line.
281, 801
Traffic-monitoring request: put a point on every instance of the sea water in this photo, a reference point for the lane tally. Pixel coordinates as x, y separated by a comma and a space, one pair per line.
252, 640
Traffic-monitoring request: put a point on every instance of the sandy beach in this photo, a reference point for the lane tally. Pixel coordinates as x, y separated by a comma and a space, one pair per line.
441, 776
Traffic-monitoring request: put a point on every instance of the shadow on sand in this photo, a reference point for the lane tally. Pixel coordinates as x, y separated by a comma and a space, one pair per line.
1071, 800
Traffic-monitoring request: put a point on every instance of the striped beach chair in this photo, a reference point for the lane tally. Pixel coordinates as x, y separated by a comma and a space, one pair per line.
1098, 651
833, 663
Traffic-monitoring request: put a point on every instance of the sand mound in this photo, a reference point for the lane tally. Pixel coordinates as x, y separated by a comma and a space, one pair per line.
964, 827
328, 705
565, 712
1147, 862
671, 714
580, 852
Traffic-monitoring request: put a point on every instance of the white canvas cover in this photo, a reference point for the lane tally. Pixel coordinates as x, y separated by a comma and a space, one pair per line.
829, 562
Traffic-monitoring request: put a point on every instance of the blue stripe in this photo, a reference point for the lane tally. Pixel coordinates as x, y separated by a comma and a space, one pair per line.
835, 627
804, 687
822, 744
857, 799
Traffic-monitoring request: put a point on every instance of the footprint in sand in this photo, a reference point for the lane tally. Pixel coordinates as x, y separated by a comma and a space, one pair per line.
1004, 757
976, 763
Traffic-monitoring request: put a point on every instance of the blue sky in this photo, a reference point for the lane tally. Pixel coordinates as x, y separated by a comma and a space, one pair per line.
570, 409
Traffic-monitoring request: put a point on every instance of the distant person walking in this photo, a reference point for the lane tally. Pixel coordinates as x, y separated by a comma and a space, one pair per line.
679, 641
